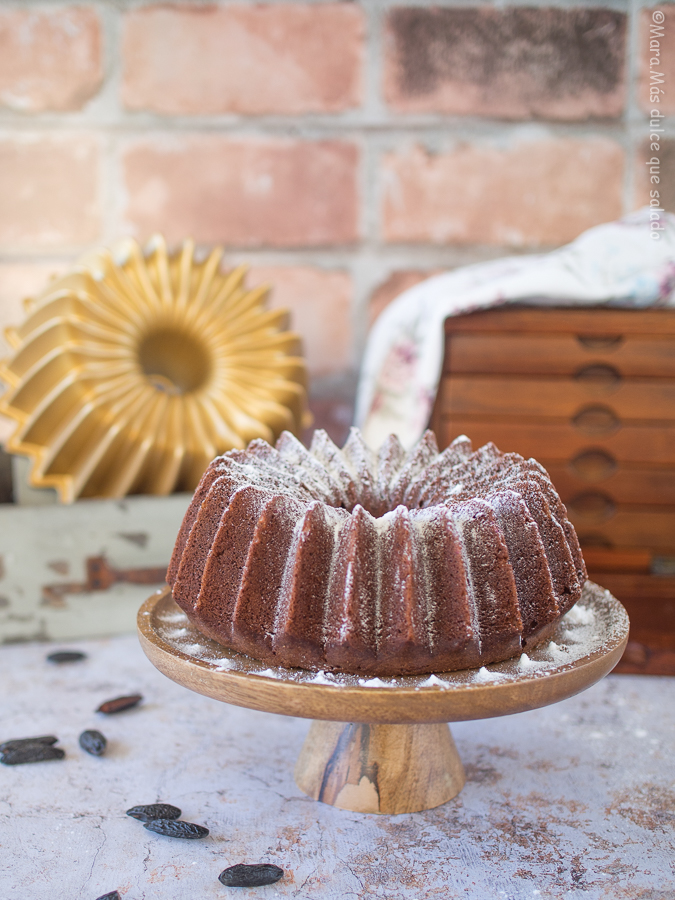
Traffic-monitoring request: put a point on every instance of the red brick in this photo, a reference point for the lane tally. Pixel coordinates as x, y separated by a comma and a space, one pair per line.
48, 192
511, 63
389, 290
664, 188
285, 58
49, 59
246, 193
320, 303
657, 45
535, 193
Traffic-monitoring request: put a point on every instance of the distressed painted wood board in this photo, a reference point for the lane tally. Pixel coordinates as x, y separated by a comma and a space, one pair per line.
82, 570
572, 798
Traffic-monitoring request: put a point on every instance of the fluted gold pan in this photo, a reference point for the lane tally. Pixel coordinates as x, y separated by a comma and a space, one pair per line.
133, 370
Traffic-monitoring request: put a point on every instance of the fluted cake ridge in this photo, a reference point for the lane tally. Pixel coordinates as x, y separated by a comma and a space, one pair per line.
381, 563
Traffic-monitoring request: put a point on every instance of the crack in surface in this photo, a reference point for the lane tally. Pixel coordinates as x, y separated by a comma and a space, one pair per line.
100, 828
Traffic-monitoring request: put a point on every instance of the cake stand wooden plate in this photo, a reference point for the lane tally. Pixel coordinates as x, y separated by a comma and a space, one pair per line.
383, 745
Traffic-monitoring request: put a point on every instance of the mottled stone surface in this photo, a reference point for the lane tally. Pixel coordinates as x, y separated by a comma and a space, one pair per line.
573, 798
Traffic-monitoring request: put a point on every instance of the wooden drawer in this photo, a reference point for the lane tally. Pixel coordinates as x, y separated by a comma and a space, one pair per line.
595, 322
645, 587
558, 398
599, 521
559, 354
591, 394
595, 470
560, 442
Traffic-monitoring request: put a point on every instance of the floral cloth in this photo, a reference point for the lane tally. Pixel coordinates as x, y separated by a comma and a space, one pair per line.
620, 263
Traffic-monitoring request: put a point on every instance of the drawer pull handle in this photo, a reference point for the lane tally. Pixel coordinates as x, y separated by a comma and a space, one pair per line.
599, 375
592, 507
597, 420
593, 465
600, 341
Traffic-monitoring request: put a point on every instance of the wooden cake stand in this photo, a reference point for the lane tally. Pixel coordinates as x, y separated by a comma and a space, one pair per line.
383, 745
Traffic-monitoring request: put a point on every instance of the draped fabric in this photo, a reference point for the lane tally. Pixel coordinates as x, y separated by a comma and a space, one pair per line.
628, 263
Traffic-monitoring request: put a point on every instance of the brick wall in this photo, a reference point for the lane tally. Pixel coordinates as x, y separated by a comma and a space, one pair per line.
344, 150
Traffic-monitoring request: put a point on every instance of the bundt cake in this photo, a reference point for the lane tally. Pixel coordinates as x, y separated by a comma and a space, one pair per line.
376, 563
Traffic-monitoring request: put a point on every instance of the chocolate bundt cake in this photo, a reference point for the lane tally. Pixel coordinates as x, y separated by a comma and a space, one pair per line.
383, 564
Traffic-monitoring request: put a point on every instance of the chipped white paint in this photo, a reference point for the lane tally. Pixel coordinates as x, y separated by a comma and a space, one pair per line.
43, 548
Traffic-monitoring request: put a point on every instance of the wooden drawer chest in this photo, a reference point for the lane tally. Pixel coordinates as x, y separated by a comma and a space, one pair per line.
590, 393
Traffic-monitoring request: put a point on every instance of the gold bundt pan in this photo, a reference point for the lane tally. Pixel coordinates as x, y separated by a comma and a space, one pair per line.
132, 371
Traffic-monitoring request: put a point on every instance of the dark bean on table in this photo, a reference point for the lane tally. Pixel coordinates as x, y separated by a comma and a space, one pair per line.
93, 742
31, 753
118, 704
45, 739
111, 895
66, 656
154, 811
177, 829
257, 875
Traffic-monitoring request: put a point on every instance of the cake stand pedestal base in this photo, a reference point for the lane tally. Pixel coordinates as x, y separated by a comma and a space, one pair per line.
380, 768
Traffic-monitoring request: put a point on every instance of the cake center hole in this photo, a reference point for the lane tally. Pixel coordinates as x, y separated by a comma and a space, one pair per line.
174, 361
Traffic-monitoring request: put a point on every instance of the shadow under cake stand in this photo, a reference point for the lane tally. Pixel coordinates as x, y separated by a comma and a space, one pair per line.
383, 745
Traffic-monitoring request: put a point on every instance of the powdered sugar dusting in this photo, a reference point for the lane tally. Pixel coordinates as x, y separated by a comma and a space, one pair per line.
175, 617
270, 673
554, 649
178, 632
374, 682
579, 615
221, 664
485, 675
196, 650
434, 680
322, 678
